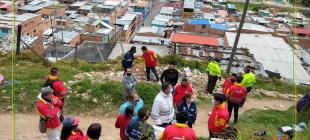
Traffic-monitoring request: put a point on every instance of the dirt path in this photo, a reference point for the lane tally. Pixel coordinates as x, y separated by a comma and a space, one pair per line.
27, 124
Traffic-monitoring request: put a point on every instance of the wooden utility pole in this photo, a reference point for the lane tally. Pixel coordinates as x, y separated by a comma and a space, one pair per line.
54, 44
234, 49
19, 30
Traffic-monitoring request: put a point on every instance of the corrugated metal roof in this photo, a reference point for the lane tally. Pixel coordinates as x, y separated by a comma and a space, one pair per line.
189, 4
219, 27
167, 10
199, 21
194, 39
67, 35
273, 52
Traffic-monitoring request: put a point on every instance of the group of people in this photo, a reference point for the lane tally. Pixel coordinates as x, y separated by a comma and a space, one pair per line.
50, 104
180, 97
173, 109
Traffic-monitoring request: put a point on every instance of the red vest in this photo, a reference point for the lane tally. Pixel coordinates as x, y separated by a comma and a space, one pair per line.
121, 123
59, 88
218, 119
149, 59
178, 132
76, 135
237, 93
227, 83
179, 93
50, 109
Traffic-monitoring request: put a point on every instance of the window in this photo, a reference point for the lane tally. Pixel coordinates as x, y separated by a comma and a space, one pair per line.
203, 26
34, 31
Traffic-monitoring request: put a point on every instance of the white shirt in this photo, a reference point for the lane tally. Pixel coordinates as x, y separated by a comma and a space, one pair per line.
162, 110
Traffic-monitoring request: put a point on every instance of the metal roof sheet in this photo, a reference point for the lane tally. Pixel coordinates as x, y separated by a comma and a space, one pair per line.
273, 53
200, 21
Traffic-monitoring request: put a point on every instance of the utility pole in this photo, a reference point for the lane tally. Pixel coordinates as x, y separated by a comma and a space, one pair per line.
115, 27
62, 36
19, 30
234, 49
53, 36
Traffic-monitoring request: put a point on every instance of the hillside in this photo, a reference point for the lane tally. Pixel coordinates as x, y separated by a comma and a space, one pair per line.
95, 89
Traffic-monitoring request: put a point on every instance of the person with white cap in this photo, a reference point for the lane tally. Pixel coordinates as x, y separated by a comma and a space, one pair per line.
70, 130
51, 116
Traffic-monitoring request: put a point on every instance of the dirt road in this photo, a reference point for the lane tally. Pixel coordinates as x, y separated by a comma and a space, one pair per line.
27, 124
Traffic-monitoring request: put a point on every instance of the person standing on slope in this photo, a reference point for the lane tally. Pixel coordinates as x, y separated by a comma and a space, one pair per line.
249, 79
170, 75
70, 130
179, 130
219, 117
214, 73
236, 97
129, 82
150, 60
129, 58
123, 121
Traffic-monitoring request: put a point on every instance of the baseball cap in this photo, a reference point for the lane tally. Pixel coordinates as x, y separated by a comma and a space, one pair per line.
71, 121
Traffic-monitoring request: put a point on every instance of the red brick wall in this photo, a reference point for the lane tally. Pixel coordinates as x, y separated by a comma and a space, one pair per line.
305, 43
33, 27
75, 41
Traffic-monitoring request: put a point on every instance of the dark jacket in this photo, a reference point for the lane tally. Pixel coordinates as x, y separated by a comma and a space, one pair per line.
191, 110
170, 75
128, 60
139, 130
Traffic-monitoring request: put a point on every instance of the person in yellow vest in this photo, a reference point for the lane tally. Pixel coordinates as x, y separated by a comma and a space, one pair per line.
249, 79
214, 73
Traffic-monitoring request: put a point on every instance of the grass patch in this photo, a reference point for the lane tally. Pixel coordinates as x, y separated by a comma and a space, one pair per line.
193, 64
270, 121
281, 87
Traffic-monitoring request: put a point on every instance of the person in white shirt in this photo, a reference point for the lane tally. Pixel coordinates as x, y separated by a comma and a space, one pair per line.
162, 110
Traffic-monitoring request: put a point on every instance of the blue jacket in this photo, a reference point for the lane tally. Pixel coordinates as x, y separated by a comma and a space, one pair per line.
128, 59
137, 130
191, 110
136, 108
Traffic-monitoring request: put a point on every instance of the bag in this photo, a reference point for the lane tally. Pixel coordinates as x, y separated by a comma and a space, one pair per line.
42, 125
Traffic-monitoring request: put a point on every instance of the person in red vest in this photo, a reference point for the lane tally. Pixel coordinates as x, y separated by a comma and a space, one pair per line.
236, 97
123, 121
229, 82
56, 84
150, 60
179, 130
70, 130
48, 107
219, 116
180, 91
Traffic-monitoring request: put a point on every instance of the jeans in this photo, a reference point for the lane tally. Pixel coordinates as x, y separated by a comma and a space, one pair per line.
53, 134
148, 72
211, 83
235, 106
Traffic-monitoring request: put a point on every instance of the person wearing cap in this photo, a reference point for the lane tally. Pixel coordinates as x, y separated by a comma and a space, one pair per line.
249, 79
135, 102
70, 130
180, 91
214, 73
129, 58
170, 75
236, 97
48, 107
139, 129
129, 82
229, 82
93, 132
123, 121
179, 130
219, 117
188, 105
162, 109
150, 60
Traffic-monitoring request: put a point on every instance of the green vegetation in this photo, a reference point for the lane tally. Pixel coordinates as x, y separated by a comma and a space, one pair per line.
193, 64
270, 121
252, 7
281, 87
